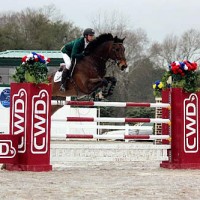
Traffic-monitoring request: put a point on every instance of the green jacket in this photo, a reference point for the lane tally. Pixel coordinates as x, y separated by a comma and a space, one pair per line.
75, 48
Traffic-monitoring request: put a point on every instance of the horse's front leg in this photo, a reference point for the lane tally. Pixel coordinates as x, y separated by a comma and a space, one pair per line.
113, 81
94, 83
107, 91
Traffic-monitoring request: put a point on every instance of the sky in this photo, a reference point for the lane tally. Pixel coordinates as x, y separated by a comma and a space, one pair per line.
158, 18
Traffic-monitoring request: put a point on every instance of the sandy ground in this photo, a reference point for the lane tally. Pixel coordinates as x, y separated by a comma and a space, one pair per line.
126, 181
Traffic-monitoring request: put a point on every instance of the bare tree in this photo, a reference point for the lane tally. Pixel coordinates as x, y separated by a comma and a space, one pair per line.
136, 45
190, 45
112, 22
174, 48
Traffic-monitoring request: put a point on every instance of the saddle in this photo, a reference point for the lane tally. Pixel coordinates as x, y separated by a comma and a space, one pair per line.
58, 74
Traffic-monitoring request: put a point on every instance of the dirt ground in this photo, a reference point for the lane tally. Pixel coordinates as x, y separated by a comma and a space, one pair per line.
126, 181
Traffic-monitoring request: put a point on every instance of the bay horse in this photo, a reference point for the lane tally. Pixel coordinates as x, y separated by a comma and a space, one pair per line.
89, 73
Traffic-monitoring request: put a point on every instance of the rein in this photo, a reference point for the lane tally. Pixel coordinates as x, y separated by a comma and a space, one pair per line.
100, 58
106, 59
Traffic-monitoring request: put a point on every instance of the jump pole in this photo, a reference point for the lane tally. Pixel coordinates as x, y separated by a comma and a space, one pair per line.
119, 137
108, 119
110, 104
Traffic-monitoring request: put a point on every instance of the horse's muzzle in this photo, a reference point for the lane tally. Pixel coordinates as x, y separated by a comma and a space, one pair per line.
122, 65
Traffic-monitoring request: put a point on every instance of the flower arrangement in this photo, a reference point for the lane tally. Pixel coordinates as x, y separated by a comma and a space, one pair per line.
157, 86
33, 69
183, 75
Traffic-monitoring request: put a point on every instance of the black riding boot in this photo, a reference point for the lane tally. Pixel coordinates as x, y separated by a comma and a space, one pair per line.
65, 77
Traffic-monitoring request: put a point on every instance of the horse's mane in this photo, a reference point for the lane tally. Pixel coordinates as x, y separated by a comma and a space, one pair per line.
105, 37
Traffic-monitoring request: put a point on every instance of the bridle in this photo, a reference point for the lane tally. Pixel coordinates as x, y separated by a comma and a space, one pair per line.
115, 52
117, 59
100, 58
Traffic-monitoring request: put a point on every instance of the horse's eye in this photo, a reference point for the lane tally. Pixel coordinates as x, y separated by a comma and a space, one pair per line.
117, 50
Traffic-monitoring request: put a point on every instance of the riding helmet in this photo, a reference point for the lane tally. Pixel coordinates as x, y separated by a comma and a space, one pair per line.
88, 31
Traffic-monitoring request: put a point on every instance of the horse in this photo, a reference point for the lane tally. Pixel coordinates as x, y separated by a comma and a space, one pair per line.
89, 73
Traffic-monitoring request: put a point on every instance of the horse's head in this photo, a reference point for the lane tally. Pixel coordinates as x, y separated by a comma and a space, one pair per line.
106, 47
117, 53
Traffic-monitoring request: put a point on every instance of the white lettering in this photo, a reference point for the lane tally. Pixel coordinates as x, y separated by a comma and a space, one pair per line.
41, 132
41, 104
189, 127
191, 124
4, 146
192, 107
17, 122
189, 134
40, 124
19, 106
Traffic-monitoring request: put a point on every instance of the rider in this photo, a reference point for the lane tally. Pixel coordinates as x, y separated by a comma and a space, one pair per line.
74, 50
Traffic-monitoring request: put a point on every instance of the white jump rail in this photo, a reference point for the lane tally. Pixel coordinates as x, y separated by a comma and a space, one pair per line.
119, 137
114, 127
110, 119
110, 104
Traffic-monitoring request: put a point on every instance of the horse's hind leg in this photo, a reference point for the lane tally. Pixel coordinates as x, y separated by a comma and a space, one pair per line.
54, 108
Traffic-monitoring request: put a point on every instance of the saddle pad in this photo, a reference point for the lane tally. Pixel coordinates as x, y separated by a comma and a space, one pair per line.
57, 77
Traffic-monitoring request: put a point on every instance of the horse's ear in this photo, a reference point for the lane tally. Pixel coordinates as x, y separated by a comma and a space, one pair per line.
118, 40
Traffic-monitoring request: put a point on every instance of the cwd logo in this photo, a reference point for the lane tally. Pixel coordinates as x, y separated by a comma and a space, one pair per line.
191, 124
40, 123
6, 149
19, 110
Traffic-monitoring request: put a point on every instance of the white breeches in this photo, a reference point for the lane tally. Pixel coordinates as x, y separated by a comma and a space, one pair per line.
67, 60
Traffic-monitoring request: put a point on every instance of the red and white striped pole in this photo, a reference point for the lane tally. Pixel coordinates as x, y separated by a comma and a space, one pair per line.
110, 104
107, 119
119, 137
